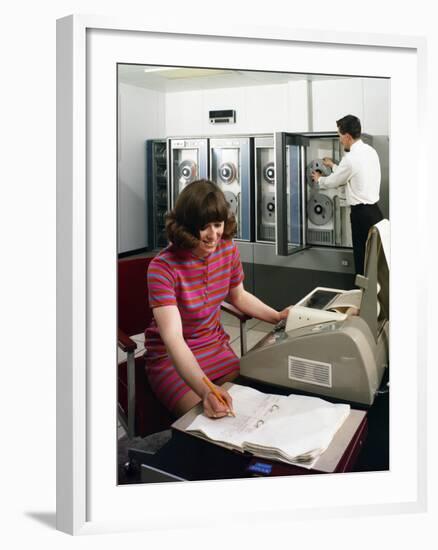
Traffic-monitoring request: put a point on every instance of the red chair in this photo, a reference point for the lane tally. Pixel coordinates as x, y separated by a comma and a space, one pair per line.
140, 412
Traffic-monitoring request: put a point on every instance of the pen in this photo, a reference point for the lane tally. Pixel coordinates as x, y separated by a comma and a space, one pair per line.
218, 395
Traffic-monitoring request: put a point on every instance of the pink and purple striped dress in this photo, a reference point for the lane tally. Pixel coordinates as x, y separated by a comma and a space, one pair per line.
197, 286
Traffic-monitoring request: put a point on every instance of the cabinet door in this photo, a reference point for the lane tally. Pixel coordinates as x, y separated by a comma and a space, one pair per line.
188, 162
290, 193
230, 169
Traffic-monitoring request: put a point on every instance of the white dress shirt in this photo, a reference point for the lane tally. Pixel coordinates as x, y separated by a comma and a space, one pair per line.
359, 171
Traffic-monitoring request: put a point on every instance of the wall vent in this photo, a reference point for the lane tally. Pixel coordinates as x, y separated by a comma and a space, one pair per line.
227, 116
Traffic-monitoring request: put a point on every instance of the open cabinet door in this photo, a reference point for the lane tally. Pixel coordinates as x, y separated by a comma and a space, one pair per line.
290, 193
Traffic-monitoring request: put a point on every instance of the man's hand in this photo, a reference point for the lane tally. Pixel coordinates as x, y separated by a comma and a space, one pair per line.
316, 174
327, 161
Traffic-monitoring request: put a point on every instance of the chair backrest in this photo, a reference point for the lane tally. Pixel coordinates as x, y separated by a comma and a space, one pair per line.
134, 316
134, 313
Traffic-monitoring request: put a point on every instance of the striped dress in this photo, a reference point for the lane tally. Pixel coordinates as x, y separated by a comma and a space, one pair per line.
197, 286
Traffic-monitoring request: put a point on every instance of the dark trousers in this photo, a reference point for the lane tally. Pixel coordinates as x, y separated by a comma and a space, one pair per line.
362, 217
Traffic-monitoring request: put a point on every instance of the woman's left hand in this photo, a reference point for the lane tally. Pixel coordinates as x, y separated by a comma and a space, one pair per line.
283, 313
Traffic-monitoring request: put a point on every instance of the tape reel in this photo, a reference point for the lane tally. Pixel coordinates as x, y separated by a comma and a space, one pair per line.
232, 200
187, 171
317, 164
269, 173
161, 155
268, 208
227, 172
320, 209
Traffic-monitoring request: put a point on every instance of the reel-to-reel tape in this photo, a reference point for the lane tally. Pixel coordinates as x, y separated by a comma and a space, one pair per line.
265, 188
187, 172
189, 162
317, 165
227, 174
269, 173
233, 201
268, 199
327, 211
230, 170
227, 177
245, 166
320, 207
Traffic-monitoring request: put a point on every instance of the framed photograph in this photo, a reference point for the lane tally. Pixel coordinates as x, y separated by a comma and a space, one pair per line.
90, 55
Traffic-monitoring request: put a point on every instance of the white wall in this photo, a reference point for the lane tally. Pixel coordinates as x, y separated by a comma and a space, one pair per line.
376, 100
367, 98
141, 116
298, 108
259, 109
332, 99
282, 107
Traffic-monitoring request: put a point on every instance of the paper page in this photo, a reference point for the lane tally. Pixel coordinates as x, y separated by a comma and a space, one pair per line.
250, 407
300, 426
350, 298
273, 426
305, 461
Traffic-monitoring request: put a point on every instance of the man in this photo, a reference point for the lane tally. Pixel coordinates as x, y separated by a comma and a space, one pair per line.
359, 171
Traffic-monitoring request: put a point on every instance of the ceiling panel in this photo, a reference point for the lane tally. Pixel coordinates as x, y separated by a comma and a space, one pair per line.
178, 79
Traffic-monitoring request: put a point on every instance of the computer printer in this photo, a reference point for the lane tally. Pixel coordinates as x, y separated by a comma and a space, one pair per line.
323, 350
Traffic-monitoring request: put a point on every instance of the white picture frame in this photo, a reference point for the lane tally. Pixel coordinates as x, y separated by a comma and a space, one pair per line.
88, 500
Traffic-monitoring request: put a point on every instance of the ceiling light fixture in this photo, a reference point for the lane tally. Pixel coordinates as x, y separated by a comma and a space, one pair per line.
159, 69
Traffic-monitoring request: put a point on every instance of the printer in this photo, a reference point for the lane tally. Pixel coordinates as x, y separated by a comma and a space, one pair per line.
324, 350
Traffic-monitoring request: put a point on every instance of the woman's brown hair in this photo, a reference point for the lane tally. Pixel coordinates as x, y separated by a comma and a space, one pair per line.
200, 203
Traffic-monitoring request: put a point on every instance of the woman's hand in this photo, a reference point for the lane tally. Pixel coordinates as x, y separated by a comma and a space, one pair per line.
213, 408
283, 313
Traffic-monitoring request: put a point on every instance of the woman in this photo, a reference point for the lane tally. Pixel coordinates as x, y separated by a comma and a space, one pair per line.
187, 283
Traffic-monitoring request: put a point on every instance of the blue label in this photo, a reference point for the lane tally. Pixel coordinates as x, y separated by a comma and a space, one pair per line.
260, 468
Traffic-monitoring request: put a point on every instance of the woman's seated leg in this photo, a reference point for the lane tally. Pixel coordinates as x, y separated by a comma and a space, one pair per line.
187, 402
190, 399
230, 377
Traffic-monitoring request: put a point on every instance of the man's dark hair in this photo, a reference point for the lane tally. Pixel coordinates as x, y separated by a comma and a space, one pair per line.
349, 124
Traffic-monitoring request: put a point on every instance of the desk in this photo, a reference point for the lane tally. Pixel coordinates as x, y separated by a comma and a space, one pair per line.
192, 458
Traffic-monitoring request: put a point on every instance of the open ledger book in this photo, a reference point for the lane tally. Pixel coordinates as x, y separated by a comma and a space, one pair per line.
294, 429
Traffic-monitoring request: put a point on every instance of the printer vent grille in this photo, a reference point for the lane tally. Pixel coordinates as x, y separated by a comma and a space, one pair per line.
310, 372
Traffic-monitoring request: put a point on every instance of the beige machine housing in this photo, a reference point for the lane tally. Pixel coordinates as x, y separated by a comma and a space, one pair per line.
329, 353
